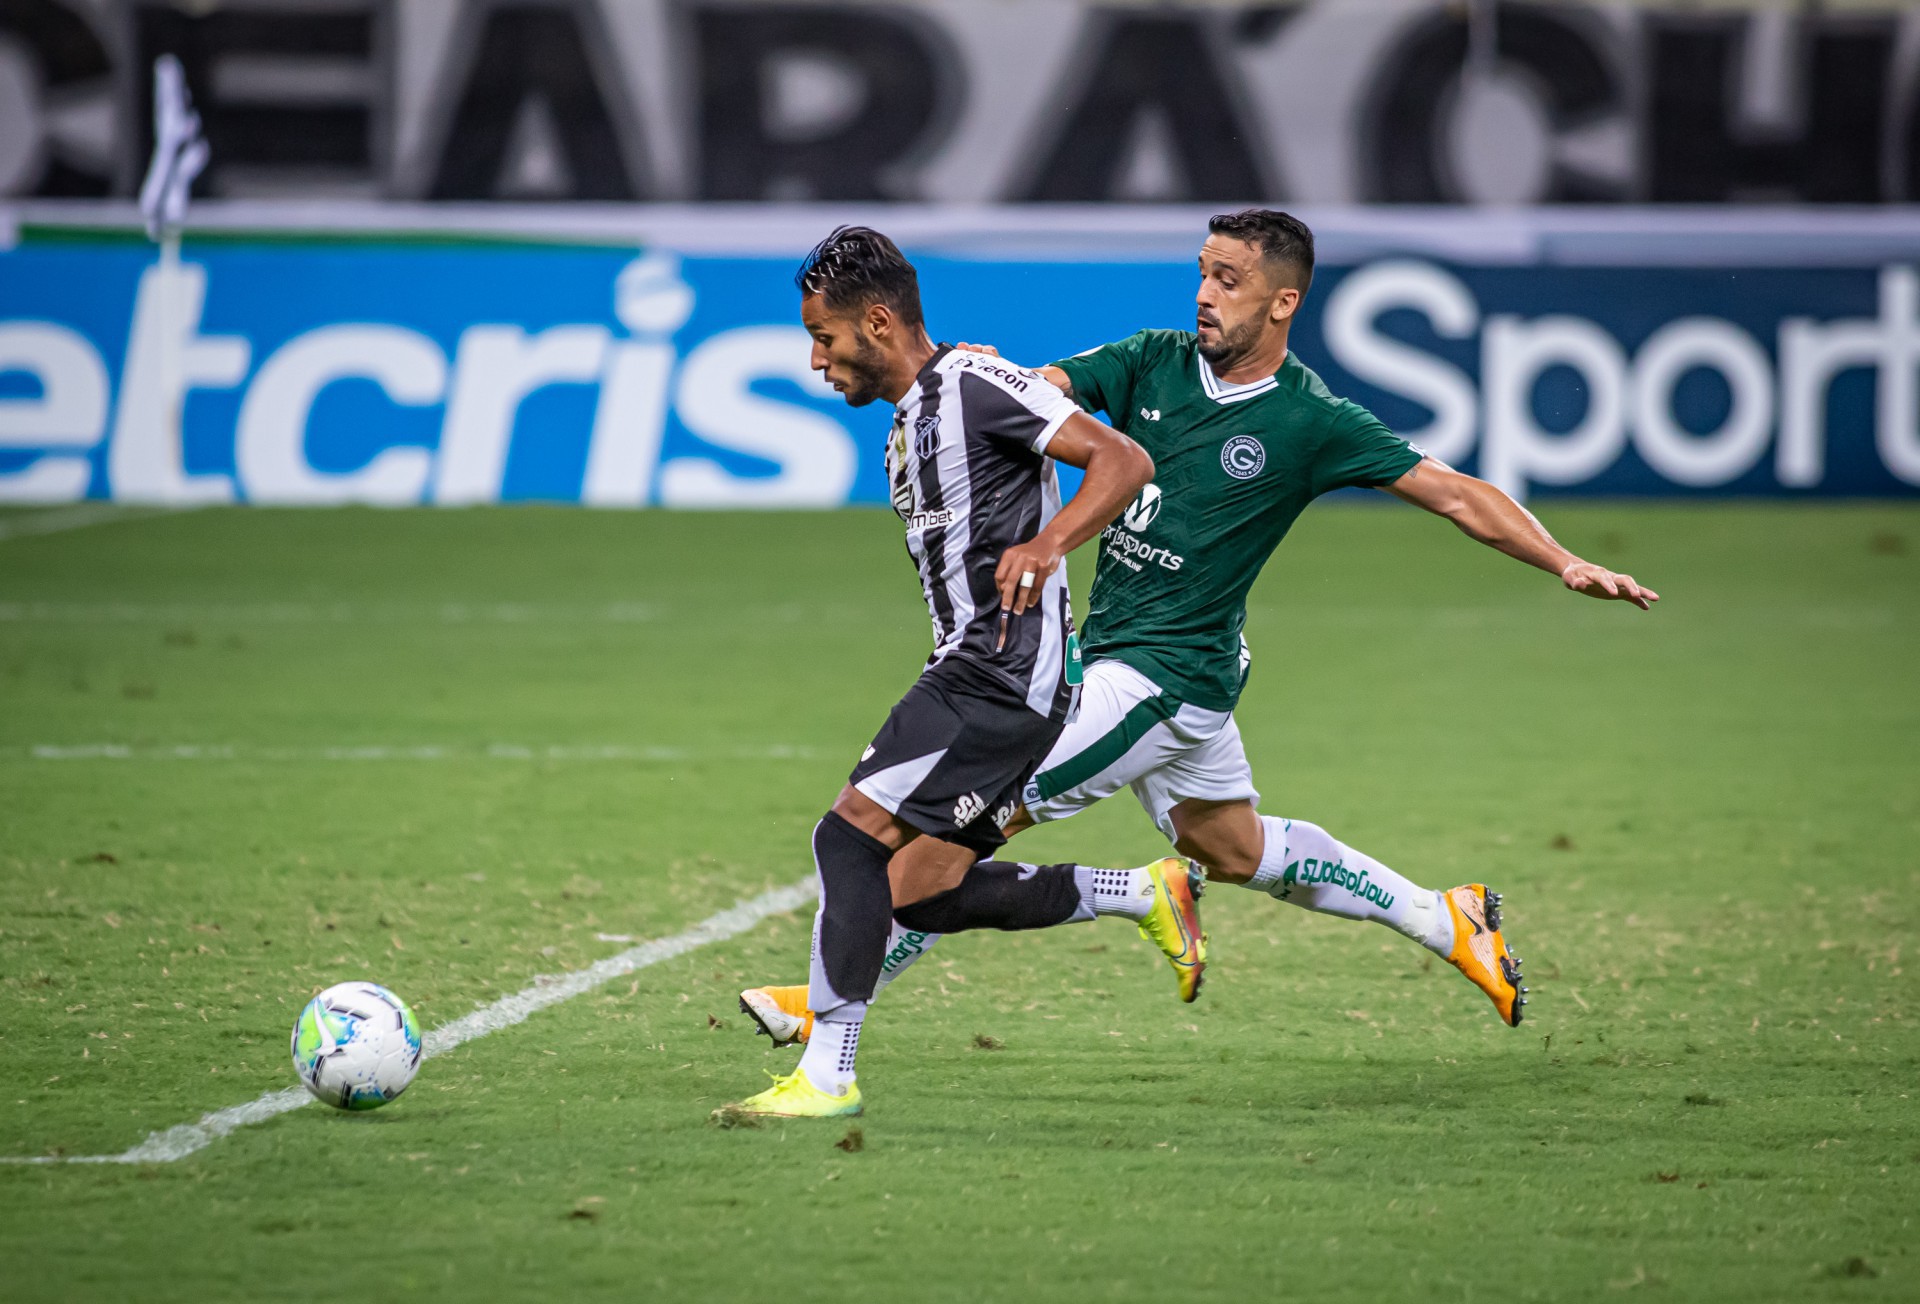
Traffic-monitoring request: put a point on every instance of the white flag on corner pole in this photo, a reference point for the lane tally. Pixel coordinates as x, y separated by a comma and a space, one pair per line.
166, 354
179, 150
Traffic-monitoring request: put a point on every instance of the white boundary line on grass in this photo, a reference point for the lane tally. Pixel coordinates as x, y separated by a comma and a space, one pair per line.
424, 752
548, 989
74, 518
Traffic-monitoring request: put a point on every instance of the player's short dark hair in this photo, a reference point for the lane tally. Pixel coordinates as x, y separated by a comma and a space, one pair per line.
857, 266
1283, 240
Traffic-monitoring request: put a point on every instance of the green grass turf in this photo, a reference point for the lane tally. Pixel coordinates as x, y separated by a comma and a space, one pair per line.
1704, 818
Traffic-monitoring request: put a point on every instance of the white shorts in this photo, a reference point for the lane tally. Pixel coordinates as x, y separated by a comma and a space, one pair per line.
1131, 733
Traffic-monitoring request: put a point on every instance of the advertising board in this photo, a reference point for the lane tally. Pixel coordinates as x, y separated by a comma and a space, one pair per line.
456, 367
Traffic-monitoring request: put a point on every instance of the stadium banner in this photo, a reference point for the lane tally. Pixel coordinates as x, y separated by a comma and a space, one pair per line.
1573, 354
978, 101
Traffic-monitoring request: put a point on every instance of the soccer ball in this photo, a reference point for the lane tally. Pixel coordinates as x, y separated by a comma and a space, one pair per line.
356, 1046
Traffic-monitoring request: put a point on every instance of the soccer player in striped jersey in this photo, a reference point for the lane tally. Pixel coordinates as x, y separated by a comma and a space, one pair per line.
1243, 436
970, 462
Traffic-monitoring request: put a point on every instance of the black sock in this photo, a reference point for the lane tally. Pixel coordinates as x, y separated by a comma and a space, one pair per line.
856, 906
998, 894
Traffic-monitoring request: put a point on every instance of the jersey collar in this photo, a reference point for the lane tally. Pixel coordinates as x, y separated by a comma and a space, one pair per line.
1221, 392
922, 379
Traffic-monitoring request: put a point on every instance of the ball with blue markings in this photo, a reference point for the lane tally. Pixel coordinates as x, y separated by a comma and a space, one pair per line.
356, 1046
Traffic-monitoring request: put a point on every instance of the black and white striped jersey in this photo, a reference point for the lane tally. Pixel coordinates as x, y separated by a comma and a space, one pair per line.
967, 467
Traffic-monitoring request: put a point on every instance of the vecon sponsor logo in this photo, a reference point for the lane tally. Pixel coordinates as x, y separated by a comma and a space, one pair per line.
1135, 554
1016, 380
1310, 871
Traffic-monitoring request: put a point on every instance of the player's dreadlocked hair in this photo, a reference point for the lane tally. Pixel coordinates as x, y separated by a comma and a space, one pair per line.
857, 266
1282, 239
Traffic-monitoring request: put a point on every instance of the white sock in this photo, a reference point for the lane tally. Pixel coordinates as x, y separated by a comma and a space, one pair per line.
1307, 866
828, 1059
1127, 892
904, 946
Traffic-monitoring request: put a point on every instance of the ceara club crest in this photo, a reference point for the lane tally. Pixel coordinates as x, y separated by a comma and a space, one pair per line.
926, 437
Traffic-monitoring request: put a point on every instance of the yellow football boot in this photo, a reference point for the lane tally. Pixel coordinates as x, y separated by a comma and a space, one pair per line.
1480, 952
1173, 924
795, 1096
779, 1012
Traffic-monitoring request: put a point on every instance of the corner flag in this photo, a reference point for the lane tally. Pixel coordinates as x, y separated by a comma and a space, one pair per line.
179, 150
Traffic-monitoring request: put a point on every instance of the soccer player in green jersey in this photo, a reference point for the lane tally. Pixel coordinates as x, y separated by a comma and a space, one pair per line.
1243, 435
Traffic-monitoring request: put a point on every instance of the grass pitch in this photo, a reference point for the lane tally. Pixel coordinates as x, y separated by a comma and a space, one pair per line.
244, 755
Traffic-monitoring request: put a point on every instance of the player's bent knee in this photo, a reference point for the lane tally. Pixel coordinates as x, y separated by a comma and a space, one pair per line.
871, 818
926, 869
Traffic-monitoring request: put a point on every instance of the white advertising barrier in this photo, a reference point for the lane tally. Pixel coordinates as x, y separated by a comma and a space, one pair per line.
634, 357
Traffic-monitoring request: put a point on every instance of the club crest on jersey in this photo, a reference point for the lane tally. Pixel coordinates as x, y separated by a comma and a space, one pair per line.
1243, 457
926, 437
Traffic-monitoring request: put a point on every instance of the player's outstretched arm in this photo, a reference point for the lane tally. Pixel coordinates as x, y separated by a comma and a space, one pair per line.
1117, 470
1483, 512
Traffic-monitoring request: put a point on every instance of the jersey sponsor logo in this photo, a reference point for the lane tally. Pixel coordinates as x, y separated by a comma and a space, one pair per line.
1030, 795
1149, 414
926, 437
1243, 457
968, 809
1136, 554
1001, 814
1015, 378
931, 520
1139, 515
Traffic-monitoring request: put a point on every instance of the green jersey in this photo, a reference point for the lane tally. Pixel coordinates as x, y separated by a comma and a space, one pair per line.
1235, 467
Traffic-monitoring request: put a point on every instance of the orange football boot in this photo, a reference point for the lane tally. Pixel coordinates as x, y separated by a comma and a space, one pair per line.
1480, 952
780, 1012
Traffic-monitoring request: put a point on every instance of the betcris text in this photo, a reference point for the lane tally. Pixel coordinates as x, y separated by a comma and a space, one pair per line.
399, 376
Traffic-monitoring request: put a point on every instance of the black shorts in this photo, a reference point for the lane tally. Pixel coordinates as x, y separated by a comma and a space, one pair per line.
953, 756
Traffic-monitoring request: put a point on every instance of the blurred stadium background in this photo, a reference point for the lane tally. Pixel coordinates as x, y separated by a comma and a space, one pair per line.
455, 252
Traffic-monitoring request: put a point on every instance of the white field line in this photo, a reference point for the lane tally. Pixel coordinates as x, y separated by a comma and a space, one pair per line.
327, 613
428, 752
77, 517
548, 989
